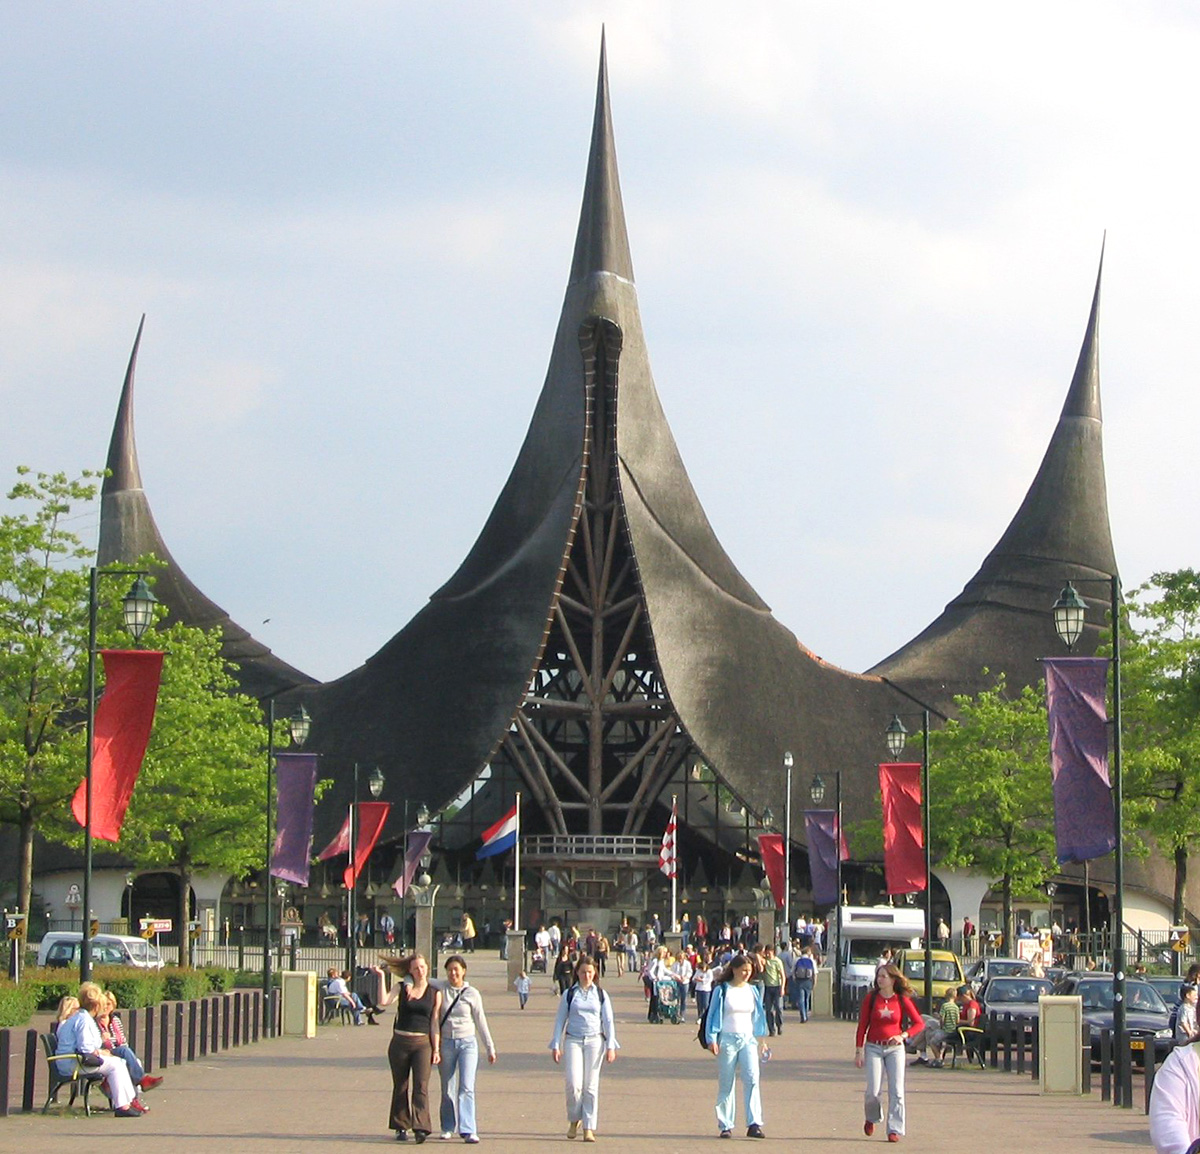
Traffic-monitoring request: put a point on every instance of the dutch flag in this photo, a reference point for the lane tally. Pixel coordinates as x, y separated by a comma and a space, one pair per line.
500, 837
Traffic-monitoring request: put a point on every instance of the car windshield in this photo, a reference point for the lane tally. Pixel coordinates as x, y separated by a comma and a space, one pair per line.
1138, 996
867, 951
1016, 990
1007, 968
943, 971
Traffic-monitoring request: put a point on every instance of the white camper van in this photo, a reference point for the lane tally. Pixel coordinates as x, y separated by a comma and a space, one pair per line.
869, 930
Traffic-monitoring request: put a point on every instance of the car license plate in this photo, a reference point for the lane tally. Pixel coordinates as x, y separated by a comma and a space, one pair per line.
1137, 1044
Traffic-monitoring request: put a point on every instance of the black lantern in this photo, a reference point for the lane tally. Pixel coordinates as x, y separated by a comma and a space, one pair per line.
138, 607
896, 735
1069, 612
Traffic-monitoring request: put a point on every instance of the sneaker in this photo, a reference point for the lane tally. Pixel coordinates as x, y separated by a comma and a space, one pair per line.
589, 1135
868, 1128
149, 1082
470, 1139
573, 1129
140, 1106
447, 1135
726, 1134
755, 1131
128, 1112
893, 1136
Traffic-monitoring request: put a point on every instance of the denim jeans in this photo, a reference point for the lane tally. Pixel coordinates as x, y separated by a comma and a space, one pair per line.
737, 1056
702, 997
878, 1060
773, 1005
460, 1060
136, 1071
803, 995
583, 1058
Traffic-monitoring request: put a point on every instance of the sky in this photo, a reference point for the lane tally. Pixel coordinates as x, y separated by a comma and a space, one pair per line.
865, 238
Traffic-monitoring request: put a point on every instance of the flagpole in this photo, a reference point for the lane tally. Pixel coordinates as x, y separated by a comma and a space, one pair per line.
674, 865
517, 869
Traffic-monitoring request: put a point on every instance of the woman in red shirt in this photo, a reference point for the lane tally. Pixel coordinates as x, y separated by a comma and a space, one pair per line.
887, 1020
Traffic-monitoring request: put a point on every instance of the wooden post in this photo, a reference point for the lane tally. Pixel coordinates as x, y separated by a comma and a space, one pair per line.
5, 1065
148, 1046
178, 1033
191, 1047
31, 1053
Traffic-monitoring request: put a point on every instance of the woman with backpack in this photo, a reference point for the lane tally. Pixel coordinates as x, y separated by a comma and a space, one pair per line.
585, 1036
734, 1029
804, 974
887, 1020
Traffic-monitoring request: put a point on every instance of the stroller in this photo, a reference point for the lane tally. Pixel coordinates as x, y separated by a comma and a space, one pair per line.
537, 963
666, 992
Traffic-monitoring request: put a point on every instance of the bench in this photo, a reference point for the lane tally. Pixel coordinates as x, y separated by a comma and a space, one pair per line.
79, 1075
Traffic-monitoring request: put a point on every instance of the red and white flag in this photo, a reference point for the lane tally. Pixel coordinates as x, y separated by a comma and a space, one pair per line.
667, 857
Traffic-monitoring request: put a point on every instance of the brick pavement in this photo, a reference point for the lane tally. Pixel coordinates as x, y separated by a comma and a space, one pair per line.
331, 1093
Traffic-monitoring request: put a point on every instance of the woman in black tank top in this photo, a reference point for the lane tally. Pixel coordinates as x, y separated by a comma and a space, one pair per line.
415, 1047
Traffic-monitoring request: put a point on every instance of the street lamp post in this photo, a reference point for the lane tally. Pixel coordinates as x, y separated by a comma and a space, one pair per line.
1069, 613
897, 735
375, 783
299, 725
787, 848
816, 792
422, 818
137, 610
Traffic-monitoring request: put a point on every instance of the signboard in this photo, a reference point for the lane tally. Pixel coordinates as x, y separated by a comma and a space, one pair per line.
156, 925
15, 926
74, 897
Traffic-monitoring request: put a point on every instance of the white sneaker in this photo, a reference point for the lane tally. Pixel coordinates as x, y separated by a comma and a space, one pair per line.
447, 1135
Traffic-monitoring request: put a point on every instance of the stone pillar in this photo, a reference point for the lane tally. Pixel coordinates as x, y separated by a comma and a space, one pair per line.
425, 937
516, 956
766, 926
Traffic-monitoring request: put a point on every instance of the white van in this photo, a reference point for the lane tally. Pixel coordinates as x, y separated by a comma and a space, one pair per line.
60, 948
869, 930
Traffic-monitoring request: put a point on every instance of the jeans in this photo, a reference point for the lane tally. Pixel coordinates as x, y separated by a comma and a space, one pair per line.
582, 1058
803, 995
460, 1060
773, 1005
136, 1070
702, 997
738, 1055
877, 1060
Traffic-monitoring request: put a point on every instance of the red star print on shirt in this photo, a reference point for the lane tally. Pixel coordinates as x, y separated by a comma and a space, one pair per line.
885, 1011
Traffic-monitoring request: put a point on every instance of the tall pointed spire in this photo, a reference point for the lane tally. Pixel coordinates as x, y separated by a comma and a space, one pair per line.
1001, 618
122, 464
602, 243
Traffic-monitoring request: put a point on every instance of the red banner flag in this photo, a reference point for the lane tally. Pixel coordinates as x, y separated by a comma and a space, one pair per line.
770, 848
371, 816
903, 842
120, 735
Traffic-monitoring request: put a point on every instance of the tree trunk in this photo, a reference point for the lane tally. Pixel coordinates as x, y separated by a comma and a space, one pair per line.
1010, 935
25, 862
1179, 904
181, 914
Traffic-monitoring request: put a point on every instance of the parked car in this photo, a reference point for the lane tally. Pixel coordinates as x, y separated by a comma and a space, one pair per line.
1146, 1015
1015, 996
987, 968
60, 948
947, 971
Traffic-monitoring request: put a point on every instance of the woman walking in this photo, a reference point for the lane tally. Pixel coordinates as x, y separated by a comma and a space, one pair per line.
585, 1035
887, 1020
733, 1030
415, 1047
563, 968
461, 1022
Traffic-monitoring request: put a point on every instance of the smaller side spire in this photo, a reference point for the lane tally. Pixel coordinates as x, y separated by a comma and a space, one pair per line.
602, 243
1083, 397
122, 463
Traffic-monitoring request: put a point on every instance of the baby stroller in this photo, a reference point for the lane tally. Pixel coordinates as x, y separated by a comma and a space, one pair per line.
666, 992
537, 964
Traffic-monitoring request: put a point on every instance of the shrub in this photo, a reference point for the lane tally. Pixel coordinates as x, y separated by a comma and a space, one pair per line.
133, 987
17, 1003
184, 985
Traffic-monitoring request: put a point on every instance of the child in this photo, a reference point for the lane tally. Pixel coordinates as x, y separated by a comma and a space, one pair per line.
1185, 1016
523, 985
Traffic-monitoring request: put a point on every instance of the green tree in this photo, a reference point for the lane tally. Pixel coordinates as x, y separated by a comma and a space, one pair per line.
43, 640
1160, 662
199, 802
991, 799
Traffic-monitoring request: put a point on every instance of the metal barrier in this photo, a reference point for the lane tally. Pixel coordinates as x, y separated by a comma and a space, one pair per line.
163, 1035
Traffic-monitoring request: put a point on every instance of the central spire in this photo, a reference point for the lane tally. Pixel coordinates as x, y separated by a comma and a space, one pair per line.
602, 244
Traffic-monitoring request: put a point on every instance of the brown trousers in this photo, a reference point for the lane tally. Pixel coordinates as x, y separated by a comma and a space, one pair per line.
411, 1060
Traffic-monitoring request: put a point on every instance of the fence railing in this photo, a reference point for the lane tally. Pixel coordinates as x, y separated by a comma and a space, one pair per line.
165, 1035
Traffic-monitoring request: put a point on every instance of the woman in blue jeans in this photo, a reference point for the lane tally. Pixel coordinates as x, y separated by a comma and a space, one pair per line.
462, 1023
735, 1031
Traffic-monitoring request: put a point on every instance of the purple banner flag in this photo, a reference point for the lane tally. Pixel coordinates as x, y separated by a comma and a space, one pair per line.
296, 775
820, 827
1083, 802
418, 842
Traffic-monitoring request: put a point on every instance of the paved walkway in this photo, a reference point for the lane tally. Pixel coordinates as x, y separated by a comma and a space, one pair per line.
331, 1093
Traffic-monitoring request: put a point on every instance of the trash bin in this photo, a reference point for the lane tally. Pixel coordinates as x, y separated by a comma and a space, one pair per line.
1060, 1026
299, 1011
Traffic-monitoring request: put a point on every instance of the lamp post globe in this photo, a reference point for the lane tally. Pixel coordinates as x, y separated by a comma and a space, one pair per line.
299, 726
896, 736
816, 791
1069, 612
137, 607
375, 782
